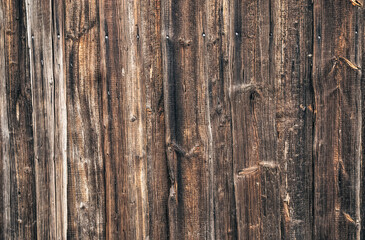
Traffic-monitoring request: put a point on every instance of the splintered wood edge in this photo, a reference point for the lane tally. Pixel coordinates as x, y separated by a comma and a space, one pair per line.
248, 171
356, 3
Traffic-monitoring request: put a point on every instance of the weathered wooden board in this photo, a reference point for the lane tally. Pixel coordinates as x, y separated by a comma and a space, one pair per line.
172, 119
337, 127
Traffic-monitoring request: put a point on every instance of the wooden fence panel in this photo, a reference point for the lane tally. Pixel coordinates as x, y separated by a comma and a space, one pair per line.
171, 119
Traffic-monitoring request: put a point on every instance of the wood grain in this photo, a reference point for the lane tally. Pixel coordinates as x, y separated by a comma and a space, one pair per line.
18, 198
171, 119
294, 117
337, 129
39, 31
85, 189
252, 59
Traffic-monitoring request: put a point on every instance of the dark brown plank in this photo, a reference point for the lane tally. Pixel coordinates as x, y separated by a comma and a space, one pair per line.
337, 135
294, 117
215, 24
126, 77
187, 124
114, 133
253, 52
85, 190
151, 76
18, 220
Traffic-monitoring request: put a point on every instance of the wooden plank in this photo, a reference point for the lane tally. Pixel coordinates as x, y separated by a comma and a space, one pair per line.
5, 219
127, 107
151, 76
39, 28
86, 190
60, 118
18, 191
187, 120
337, 135
294, 117
113, 134
217, 74
253, 35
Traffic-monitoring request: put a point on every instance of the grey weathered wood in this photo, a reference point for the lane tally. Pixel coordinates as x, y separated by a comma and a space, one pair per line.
60, 158
39, 38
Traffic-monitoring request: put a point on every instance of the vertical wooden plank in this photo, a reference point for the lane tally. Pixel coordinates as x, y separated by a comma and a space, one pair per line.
294, 117
217, 75
60, 118
151, 69
169, 111
187, 120
39, 22
124, 118
85, 191
253, 43
337, 135
116, 169
17, 156
5, 224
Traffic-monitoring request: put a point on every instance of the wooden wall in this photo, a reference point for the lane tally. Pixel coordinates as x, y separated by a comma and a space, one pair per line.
182, 119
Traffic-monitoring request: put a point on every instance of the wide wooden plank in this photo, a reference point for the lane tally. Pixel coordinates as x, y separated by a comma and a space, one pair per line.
294, 117
157, 182
187, 120
85, 189
337, 134
253, 53
39, 29
215, 23
19, 182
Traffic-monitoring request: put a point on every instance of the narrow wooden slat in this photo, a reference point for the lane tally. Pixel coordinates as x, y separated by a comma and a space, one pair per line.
169, 116
39, 29
60, 118
85, 191
113, 134
151, 75
337, 135
253, 53
5, 219
294, 117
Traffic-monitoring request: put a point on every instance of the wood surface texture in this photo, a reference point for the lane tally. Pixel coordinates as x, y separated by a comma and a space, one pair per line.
182, 119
